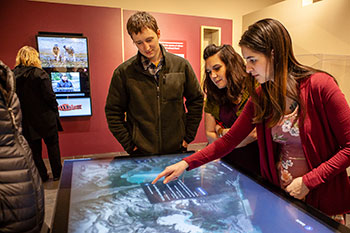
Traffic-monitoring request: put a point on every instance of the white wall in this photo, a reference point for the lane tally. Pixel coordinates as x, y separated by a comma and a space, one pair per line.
320, 33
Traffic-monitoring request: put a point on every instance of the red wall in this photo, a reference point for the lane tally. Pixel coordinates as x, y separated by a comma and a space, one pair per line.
22, 20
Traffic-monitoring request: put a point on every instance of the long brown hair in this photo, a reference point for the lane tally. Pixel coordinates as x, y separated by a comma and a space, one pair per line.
271, 38
235, 75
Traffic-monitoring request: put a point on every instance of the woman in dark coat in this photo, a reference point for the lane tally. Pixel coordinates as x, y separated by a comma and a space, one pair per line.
39, 108
21, 191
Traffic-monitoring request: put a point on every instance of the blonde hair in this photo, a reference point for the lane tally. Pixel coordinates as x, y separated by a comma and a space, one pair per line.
28, 56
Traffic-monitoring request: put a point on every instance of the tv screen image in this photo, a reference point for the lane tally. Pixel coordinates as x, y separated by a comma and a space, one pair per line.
59, 51
65, 81
74, 107
65, 58
116, 195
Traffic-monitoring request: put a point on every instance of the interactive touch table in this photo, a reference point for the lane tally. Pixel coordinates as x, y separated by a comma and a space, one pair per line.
116, 195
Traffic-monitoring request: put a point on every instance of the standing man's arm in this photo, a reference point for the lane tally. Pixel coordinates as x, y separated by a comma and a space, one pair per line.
194, 104
115, 109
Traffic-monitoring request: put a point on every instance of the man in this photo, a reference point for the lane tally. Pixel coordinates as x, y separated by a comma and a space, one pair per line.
69, 54
64, 85
145, 105
56, 52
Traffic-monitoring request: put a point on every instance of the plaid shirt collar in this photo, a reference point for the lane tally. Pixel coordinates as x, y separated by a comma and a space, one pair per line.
148, 65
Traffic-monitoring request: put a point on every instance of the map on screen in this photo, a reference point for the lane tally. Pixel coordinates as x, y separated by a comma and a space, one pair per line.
117, 196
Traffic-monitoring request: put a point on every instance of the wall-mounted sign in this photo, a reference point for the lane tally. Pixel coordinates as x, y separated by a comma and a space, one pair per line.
177, 47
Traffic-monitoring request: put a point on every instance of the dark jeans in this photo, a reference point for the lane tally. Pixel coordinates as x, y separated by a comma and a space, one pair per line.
53, 150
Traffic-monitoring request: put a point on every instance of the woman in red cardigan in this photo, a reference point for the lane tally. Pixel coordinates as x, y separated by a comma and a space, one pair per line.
302, 121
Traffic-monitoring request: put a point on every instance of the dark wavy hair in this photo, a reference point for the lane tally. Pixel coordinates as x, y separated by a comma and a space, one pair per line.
271, 38
235, 75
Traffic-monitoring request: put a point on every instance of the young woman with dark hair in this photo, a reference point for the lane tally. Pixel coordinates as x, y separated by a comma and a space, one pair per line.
226, 97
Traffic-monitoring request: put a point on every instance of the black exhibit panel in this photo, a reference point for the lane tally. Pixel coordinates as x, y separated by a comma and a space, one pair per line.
65, 58
116, 195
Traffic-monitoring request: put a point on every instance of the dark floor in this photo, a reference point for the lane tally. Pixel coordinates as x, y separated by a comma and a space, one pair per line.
50, 187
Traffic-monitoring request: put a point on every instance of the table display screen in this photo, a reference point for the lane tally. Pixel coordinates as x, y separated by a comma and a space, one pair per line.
116, 195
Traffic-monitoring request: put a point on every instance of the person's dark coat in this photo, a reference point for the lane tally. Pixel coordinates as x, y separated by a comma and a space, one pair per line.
21, 190
38, 102
158, 119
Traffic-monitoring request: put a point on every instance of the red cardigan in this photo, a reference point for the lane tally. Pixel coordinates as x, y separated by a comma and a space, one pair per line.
325, 136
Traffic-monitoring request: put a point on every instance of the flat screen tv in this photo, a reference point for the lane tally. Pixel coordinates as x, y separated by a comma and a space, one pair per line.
65, 58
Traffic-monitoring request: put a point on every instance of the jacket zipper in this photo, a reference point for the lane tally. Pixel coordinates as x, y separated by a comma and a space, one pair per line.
13, 119
159, 119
